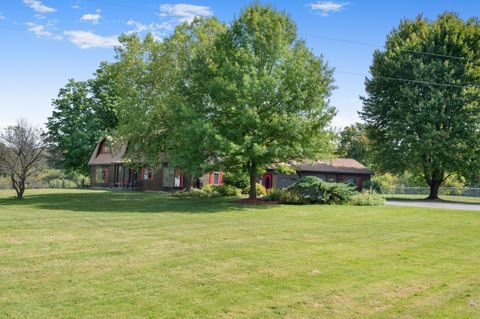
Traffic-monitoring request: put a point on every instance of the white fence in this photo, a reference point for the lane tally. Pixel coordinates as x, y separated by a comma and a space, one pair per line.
453, 191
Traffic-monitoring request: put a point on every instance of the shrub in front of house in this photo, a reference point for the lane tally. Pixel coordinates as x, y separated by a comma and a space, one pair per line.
261, 190
367, 198
238, 180
291, 197
315, 191
194, 192
228, 190
274, 194
209, 189
373, 185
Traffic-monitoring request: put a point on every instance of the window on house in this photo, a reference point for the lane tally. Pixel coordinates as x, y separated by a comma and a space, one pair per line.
168, 177
101, 175
177, 181
147, 173
216, 178
352, 180
104, 149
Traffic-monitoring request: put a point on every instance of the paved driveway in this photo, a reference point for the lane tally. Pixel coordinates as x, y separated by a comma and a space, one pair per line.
434, 204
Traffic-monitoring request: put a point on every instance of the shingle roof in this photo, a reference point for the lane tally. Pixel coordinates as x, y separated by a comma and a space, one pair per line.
338, 165
114, 157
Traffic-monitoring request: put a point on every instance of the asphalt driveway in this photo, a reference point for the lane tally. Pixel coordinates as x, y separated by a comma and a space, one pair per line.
434, 204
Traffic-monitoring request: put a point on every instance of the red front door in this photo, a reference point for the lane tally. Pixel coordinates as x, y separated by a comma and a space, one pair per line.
267, 181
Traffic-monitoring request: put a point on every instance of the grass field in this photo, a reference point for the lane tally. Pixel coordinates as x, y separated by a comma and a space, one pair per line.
99, 254
447, 198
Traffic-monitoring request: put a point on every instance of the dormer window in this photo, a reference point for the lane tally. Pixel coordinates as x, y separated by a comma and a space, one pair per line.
104, 149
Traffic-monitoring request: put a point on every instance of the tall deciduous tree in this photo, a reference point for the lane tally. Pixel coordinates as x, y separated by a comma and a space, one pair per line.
264, 94
155, 114
422, 106
353, 143
84, 112
22, 152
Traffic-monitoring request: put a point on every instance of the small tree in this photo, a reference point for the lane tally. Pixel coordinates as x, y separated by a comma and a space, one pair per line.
21, 152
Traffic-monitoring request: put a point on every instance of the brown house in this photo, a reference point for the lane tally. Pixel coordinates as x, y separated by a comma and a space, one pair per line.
108, 169
340, 170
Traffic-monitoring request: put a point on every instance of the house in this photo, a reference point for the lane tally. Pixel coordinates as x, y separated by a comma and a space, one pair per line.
109, 170
341, 170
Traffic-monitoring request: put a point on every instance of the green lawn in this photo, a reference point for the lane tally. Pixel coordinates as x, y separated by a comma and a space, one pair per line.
99, 254
447, 198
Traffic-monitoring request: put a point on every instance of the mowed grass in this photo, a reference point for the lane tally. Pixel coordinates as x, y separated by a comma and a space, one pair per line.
446, 198
101, 254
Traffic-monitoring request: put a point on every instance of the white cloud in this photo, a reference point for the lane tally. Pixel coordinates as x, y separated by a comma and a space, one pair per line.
38, 6
1, 16
75, 6
154, 28
87, 40
326, 7
94, 18
41, 32
184, 12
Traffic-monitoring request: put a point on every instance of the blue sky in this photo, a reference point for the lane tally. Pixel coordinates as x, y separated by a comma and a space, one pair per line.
47, 42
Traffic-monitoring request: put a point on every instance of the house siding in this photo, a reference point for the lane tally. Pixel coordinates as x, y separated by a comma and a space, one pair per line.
280, 180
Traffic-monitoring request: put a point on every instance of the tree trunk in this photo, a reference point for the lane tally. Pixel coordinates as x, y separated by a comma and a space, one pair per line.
253, 180
189, 180
434, 187
434, 180
19, 186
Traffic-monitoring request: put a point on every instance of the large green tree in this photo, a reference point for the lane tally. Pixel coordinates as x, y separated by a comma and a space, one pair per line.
353, 143
85, 111
263, 93
154, 108
422, 104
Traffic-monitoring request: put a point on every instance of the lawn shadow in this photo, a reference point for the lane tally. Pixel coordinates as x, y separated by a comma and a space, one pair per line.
125, 202
426, 200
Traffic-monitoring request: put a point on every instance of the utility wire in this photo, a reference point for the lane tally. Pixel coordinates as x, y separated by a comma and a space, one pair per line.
410, 80
381, 46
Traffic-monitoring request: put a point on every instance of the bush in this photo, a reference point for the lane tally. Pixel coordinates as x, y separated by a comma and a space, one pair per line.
228, 190
313, 190
291, 197
209, 188
367, 198
274, 194
194, 192
238, 180
373, 185
261, 190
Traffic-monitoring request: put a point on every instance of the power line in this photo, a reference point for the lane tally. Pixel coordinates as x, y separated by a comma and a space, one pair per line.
314, 36
381, 46
410, 80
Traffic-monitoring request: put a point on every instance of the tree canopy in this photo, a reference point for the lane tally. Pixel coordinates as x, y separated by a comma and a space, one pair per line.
422, 104
237, 98
353, 143
85, 111
22, 153
264, 93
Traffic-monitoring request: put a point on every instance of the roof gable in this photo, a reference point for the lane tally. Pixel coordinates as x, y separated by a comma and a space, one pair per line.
114, 157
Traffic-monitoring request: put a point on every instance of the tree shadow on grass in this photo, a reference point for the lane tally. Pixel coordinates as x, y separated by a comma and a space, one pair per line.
124, 202
427, 200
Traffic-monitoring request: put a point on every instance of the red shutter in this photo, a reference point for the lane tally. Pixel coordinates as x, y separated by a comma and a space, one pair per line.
211, 178
359, 183
220, 178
